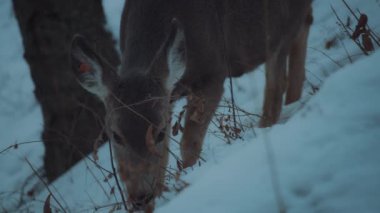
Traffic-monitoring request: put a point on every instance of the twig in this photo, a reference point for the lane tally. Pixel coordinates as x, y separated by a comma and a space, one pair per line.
347, 32
46, 185
274, 174
96, 208
349, 8
26, 208
90, 198
329, 57
345, 49
16, 145
97, 181
116, 178
106, 177
232, 98
270, 156
3, 209
371, 33
228, 65
315, 76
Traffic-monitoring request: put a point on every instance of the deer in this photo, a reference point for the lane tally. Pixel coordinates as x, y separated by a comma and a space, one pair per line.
172, 49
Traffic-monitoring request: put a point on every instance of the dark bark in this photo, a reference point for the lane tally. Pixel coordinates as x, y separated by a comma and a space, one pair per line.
72, 117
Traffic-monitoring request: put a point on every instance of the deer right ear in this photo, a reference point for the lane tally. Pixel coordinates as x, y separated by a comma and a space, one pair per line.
90, 69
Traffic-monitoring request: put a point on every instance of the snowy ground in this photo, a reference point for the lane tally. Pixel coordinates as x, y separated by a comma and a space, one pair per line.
324, 158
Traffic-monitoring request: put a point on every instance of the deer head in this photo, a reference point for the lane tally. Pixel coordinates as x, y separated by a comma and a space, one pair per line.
137, 115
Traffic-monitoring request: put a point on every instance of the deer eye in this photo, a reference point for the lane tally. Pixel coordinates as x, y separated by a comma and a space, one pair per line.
117, 139
160, 136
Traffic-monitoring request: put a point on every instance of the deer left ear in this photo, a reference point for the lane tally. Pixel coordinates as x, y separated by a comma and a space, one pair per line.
90, 69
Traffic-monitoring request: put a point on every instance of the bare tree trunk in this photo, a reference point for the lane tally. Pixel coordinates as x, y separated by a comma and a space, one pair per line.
72, 117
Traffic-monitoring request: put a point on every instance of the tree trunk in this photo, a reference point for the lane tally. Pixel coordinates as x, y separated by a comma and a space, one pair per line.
73, 118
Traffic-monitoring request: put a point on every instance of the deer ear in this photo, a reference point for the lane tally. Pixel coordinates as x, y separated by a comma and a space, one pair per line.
91, 71
159, 65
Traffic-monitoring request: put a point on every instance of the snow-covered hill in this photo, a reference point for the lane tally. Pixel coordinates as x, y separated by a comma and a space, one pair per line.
326, 157
323, 157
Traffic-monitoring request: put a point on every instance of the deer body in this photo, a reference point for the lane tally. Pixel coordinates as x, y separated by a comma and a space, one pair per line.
213, 39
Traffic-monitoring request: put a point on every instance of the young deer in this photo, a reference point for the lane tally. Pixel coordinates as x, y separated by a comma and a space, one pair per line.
213, 40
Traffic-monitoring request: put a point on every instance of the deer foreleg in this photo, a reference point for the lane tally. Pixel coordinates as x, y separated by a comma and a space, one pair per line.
201, 107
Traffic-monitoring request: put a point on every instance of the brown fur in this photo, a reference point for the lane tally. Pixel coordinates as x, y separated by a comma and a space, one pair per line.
221, 38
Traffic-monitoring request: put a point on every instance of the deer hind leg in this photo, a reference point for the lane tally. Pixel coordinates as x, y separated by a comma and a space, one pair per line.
200, 110
275, 69
297, 58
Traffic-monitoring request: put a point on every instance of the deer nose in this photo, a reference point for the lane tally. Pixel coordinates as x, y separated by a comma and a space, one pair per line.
141, 201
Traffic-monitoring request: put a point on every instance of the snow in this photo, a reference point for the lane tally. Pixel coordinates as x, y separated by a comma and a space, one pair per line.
322, 156
326, 156
20, 115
